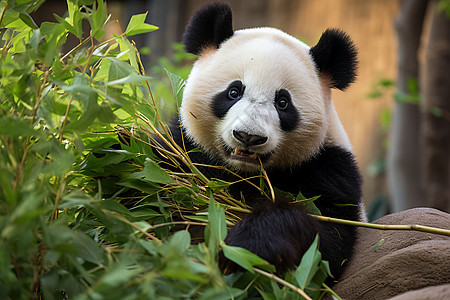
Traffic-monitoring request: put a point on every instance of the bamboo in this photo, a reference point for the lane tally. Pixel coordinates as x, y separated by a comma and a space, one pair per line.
125, 220
283, 282
415, 227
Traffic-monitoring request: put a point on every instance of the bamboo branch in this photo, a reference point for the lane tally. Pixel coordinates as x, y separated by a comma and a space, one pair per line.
283, 282
415, 227
126, 221
178, 223
3, 12
58, 199
266, 177
333, 293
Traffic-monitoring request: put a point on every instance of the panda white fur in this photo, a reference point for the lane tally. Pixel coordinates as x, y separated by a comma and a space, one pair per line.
260, 95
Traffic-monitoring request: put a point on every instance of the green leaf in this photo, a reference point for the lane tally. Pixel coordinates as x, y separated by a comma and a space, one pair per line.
217, 223
128, 52
309, 203
119, 73
308, 265
244, 258
152, 172
119, 69
118, 275
36, 38
16, 128
266, 295
315, 286
55, 35
345, 204
66, 24
223, 294
181, 240
88, 248
218, 185
378, 245
178, 85
28, 20
98, 19
137, 25
278, 293
16, 23
132, 78
74, 199
105, 114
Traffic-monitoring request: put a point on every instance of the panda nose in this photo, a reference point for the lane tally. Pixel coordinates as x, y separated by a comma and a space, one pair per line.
249, 139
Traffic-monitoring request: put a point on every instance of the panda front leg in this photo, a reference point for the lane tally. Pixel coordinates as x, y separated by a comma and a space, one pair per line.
281, 233
277, 232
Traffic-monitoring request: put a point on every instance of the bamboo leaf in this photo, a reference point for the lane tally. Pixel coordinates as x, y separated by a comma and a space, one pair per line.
152, 172
132, 78
243, 257
217, 223
28, 20
181, 240
137, 25
178, 84
308, 265
98, 19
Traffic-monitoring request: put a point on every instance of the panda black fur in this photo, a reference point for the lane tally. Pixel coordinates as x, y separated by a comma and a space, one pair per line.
261, 95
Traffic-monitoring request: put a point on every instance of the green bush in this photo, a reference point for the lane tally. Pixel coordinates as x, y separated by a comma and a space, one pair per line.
85, 214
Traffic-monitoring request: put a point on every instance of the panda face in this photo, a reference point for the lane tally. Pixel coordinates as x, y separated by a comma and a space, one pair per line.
257, 99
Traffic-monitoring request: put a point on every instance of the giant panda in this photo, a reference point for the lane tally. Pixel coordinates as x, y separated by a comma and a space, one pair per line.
260, 96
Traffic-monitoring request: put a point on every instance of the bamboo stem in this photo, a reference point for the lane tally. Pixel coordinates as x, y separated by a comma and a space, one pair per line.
63, 125
266, 177
58, 199
329, 290
415, 227
76, 48
125, 220
3, 12
283, 282
179, 223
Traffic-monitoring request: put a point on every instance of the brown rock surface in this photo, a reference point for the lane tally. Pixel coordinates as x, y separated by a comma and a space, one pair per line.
405, 264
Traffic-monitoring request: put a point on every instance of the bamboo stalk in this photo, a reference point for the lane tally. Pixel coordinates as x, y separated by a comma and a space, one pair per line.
266, 177
415, 227
125, 220
178, 223
3, 12
283, 282
333, 293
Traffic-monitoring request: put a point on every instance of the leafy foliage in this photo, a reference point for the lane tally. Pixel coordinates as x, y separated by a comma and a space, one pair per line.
444, 6
86, 209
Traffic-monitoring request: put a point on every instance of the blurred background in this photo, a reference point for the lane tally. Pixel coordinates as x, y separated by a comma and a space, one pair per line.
397, 114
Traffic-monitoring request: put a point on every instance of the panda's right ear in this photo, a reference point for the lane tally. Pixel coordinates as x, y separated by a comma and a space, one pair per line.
208, 27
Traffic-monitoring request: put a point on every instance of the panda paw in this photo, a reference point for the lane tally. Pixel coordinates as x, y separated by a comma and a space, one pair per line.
280, 234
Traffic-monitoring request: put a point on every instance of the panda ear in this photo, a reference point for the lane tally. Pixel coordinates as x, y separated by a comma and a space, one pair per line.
208, 27
335, 56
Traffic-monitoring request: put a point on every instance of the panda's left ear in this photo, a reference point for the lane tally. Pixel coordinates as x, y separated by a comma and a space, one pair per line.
335, 56
210, 26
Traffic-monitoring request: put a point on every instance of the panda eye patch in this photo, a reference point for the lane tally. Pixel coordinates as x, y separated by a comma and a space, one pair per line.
288, 114
224, 100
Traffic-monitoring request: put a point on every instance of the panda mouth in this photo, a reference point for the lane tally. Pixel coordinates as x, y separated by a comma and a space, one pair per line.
244, 154
249, 157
